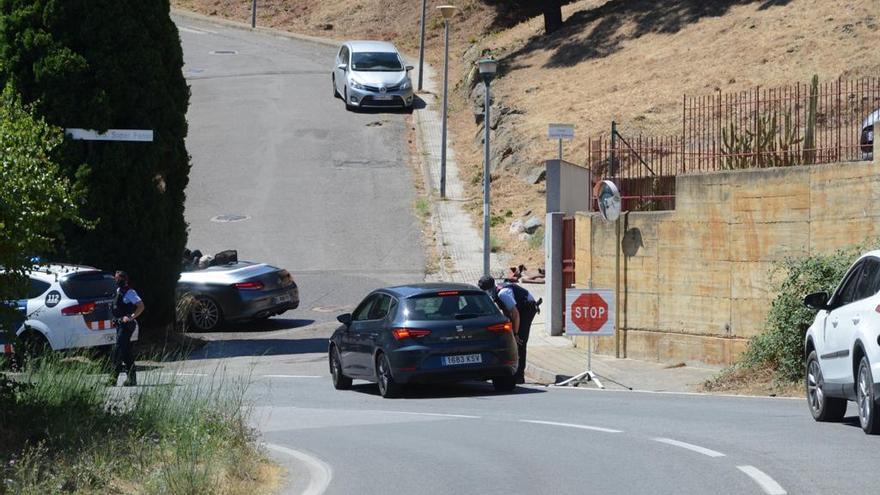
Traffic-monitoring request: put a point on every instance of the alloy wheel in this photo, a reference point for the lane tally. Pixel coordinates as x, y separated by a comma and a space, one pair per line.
384, 375
814, 389
864, 396
206, 314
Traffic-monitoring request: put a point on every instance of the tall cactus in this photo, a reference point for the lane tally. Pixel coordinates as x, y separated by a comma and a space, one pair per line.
810, 133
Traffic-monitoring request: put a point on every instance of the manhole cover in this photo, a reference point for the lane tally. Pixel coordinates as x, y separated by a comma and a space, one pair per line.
224, 52
230, 217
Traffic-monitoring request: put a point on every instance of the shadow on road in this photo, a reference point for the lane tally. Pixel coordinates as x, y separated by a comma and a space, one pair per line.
259, 347
446, 390
267, 325
418, 104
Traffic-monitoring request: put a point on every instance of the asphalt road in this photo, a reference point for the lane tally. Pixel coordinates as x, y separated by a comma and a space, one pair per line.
324, 193
328, 197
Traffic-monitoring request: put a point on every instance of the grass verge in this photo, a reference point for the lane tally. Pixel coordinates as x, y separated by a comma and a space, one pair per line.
62, 430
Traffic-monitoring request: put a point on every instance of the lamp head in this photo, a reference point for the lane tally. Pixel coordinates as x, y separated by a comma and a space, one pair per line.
488, 67
447, 11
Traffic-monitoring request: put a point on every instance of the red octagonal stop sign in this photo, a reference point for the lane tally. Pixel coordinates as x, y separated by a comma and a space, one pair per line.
589, 312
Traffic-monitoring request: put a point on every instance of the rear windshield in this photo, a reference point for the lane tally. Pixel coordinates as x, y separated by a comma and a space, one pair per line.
375, 61
454, 306
89, 285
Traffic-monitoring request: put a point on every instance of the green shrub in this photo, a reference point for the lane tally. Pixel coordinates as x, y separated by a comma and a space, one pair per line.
494, 245
536, 241
423, 207
73, 434
781, 346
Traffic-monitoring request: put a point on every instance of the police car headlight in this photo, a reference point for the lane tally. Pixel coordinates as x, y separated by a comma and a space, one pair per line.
405, 84
357, 85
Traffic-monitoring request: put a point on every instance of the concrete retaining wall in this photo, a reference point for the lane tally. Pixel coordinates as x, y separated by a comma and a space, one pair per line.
696, 282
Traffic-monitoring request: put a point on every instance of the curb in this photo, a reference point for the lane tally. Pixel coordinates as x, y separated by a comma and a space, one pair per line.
540, 375
247, 27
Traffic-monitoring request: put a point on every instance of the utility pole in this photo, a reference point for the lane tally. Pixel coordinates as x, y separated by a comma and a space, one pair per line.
421, 44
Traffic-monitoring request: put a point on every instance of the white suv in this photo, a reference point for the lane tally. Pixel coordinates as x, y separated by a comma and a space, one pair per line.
842, 346
67, 307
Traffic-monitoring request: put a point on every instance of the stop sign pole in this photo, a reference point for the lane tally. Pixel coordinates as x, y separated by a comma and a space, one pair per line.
589, 313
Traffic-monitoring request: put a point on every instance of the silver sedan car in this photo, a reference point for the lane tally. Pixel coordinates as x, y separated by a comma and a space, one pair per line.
372, 74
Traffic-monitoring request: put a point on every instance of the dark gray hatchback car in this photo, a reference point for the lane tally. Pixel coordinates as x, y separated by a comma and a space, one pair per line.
421, 334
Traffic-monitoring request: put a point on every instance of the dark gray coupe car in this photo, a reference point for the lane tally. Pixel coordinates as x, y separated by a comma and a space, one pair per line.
424, 333
236, 291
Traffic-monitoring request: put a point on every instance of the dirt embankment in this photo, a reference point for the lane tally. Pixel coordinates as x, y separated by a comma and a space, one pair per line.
624, 60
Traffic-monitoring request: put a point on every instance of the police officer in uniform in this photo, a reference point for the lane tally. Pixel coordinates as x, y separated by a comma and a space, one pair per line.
520, 306
127, 307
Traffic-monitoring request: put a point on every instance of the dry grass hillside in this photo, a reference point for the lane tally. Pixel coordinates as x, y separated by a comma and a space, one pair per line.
627, 60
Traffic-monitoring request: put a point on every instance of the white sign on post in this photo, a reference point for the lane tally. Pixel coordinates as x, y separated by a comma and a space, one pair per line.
140, 135
589, 312
561, 131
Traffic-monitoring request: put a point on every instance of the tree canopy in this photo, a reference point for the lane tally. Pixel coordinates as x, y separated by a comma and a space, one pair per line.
111, 64
35, 198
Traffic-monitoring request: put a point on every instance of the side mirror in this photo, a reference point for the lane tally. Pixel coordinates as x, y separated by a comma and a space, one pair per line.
409, 68
345, 319
342, 66
817, 301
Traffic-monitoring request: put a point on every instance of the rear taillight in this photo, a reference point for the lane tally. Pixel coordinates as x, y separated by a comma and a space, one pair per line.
249, 285
448, 293
405, 333
78, 309
501, 327
8, 349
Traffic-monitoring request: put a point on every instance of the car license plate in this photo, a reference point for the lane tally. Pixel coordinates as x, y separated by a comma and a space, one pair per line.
281, 299
383, 97
463, 359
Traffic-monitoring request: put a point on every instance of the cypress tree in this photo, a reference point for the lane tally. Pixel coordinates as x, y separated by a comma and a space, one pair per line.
111, 64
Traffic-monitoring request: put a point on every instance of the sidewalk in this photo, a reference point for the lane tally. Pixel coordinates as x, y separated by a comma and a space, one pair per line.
550, 359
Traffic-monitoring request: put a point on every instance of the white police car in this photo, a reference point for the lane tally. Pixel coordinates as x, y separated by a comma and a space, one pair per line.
68, 307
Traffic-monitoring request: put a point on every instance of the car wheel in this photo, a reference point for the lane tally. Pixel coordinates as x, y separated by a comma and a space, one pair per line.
206, 314
504, 383
340, 381
345, 95
822, 407
33, 345
388, 388
868, 415
333, 80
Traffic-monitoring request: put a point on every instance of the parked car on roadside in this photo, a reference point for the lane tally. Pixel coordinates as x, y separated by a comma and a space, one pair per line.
423, 333
371, 74
66, 307
867, 138
236, 291
842, 346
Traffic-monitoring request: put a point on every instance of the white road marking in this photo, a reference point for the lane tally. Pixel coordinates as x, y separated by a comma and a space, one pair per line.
768, 484
320, 472
690, 446
291, 376
441, 415
195, 31
667, 392
570, 425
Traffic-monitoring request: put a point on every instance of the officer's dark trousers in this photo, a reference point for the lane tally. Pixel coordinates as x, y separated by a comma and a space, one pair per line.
526, 315
123, 353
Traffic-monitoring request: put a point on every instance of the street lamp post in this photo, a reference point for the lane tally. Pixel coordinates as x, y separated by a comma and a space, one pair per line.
488, 67
422, 44
254, 14
447, 12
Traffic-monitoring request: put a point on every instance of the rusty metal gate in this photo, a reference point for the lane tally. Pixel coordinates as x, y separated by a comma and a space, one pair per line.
568, 252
